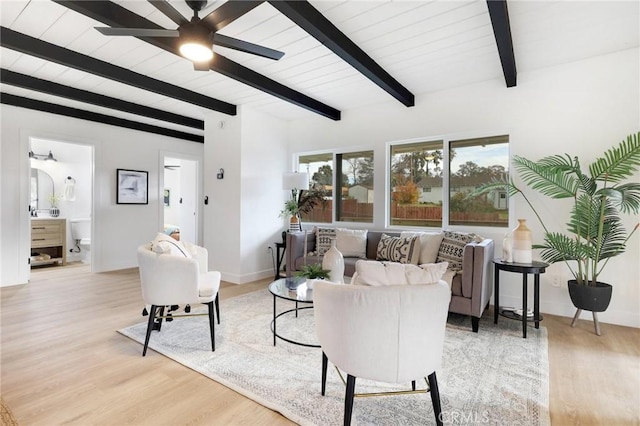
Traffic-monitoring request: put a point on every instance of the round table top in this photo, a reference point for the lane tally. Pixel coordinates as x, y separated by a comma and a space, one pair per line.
534, 267
292, 288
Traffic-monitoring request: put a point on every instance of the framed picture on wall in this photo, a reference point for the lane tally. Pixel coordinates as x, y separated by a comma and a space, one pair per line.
167, 197
133, 187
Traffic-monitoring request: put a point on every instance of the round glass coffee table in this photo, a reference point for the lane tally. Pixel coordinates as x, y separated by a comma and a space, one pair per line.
295, 290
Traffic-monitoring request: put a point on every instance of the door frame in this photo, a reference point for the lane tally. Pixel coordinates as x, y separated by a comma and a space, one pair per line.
199, 189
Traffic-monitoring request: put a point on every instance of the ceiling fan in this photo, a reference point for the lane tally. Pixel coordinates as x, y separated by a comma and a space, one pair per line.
196, 39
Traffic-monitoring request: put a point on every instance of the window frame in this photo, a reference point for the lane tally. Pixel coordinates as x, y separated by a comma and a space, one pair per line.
446, 176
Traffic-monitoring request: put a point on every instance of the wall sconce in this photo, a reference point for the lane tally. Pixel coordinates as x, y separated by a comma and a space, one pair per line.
45, 157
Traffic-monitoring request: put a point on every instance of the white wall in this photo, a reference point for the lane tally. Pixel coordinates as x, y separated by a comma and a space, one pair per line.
118, 229
241, 220
581, 108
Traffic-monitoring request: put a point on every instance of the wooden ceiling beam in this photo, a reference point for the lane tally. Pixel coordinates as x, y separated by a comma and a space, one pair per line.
45, 86
307, 17
23, 102
502, 31
50, 52
116, 16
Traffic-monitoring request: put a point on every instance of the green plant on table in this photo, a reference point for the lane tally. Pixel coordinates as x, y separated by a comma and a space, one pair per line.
314, 271
601, 195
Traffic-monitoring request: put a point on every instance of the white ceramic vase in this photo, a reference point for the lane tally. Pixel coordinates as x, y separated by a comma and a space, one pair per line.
334, 262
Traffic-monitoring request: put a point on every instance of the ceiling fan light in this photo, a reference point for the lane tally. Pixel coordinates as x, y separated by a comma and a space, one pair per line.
196, 52
196, 42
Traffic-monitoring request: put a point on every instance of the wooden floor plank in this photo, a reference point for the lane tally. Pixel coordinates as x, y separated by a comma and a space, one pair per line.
62, 362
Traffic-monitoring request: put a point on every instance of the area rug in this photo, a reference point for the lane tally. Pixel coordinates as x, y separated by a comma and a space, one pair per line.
491, 377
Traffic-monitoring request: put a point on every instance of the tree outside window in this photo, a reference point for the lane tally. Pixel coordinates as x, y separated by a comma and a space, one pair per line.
354, 194
319, 167
478, 161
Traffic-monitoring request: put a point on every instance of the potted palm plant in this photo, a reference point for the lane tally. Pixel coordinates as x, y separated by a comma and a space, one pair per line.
594, 232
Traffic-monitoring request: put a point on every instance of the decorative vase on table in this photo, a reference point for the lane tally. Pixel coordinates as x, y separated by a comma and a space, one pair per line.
522, 252
54, 212
294, 224
334, 262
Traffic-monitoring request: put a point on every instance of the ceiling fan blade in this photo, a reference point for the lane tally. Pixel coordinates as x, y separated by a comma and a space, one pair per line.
169, 11
227, 13
245, 46
201, 66
137, 32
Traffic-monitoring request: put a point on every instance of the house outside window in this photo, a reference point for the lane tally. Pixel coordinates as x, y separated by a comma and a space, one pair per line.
416, 184
420, 172
354, 187
319, 167
475, 162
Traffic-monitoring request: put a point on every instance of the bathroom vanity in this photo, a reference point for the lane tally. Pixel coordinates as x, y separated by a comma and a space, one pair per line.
48, 241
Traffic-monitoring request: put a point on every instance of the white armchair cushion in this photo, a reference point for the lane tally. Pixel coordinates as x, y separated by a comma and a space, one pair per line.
209, 284
392, 334
374, 273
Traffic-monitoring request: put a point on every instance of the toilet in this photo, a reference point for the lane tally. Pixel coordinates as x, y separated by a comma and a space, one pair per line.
81, 235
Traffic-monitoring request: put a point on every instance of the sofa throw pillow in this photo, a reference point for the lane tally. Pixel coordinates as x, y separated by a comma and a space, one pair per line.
323, 240
164, 244
398, 249
374, 273
352, 242
429, 244
452, 248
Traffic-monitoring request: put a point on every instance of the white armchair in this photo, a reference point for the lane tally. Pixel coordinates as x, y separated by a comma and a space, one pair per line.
169, 279
391, 334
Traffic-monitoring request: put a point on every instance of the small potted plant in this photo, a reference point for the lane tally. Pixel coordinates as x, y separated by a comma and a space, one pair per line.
594, 232
291, 211
313, 272
54, 211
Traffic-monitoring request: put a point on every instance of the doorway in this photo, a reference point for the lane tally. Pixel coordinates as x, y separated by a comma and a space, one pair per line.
61, 186
180, 194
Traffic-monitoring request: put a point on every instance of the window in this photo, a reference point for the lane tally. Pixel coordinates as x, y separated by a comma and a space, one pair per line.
420, 172
354, 180
416, 184
319, 167
473, 163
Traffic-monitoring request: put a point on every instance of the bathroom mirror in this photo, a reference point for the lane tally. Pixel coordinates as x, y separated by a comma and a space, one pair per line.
41, 189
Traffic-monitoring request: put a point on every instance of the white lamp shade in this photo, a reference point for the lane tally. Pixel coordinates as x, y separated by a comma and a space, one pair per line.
299, 181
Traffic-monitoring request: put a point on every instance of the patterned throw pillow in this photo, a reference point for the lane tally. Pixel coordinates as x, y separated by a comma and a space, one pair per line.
452, 248
399, 249
323, 240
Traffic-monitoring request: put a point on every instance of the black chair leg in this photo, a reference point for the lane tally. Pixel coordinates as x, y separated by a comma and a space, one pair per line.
218, 307
324, 373
413, 385
158, 324
150, 326
212, 326
435, 397
348, 399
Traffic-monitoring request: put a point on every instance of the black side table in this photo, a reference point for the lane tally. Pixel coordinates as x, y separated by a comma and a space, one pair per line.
280, 250
535, 268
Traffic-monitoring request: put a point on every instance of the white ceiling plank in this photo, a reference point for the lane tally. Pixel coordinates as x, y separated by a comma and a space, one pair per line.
37, 17
10, 10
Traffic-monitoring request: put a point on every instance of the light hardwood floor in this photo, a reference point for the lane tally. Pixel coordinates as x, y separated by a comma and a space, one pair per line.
62, 362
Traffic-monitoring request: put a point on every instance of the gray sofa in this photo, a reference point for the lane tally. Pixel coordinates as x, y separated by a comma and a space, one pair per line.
470, 291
